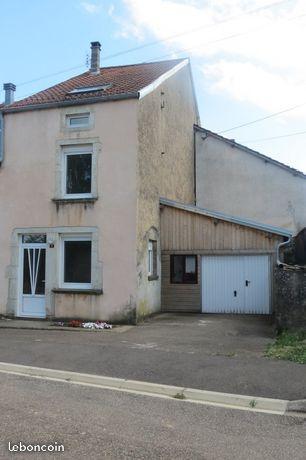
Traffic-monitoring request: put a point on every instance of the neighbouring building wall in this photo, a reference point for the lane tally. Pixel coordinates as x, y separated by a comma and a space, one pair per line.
290, 298
233, 181
29, 182
165, 168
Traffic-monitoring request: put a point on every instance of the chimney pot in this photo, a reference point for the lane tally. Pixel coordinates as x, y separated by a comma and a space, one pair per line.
95, 58
9, 89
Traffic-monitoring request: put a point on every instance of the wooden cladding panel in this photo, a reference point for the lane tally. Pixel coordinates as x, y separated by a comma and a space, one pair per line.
186, 231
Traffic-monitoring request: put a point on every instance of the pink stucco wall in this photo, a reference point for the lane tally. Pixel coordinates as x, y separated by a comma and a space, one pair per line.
28, 184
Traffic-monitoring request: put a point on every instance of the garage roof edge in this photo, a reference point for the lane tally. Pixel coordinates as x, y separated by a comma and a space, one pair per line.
233, 219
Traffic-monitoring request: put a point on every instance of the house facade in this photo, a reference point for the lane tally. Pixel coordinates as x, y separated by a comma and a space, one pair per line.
115, 204
83, 165
236, 180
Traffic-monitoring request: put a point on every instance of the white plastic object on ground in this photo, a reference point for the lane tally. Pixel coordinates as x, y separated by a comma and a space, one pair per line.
96, 325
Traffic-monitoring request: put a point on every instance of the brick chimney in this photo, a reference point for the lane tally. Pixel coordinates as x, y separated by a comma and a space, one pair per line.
9, 89
95, 58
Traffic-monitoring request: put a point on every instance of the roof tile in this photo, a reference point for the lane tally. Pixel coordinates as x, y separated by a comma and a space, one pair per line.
123, 80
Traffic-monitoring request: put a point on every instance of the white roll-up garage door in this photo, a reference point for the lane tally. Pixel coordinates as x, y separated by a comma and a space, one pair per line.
236, 284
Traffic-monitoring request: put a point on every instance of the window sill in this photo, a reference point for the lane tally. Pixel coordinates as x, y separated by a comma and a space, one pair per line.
183, 283
153, 277
74, 200
78, 291
70, 129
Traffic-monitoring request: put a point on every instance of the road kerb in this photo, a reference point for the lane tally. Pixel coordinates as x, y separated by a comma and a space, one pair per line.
298, 406
233, 401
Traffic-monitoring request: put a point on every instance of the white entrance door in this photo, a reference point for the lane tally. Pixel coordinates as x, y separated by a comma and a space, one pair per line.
32, 297
236, 284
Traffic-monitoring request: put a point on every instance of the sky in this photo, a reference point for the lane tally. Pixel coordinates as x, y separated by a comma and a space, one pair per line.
247, 56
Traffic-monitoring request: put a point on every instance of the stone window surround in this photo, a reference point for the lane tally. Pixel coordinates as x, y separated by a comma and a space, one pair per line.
60, 169
53, 260
80, 109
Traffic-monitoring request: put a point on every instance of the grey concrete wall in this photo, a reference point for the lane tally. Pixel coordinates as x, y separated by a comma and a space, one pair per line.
165, 168
235, 182
290, 298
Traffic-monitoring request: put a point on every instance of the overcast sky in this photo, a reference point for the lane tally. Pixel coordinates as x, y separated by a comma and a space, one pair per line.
248, 56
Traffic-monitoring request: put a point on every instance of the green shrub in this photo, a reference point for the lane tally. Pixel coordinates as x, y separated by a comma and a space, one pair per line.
290, 346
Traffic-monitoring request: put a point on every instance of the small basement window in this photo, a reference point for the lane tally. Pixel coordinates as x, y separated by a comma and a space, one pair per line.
183, 269
78, 120
76, 262
77, 173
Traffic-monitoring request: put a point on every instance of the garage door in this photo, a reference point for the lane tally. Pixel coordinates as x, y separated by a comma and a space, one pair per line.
236, 284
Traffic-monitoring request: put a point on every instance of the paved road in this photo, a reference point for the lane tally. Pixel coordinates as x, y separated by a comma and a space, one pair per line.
94, 423
218, 353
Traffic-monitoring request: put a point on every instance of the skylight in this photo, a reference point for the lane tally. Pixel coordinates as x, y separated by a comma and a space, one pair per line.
89, 89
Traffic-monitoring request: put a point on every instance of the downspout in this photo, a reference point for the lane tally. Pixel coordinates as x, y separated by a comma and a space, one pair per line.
1, 138
9, 89
280, 245
194, 167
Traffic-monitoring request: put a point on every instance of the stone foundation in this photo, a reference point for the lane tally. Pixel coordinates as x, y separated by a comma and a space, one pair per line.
290, 298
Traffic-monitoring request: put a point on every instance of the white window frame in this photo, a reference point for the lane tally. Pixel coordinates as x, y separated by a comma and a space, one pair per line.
69, 151
150, 258
71, 116
78, 237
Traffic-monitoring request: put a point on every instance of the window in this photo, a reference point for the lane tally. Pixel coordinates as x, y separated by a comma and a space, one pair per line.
78, 174
77, 120
152, 259
90, 89
184, 269
34, 238
76, 262
77, 178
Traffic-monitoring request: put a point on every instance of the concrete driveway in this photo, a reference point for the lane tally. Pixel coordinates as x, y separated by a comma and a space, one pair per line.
211, 352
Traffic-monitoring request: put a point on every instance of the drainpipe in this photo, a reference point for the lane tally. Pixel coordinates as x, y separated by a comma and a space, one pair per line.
9, 89
1, 137
194, 166
280, 245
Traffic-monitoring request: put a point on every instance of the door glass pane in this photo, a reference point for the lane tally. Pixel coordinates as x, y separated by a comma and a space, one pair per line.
34, 238
27, 257
78, 179
41, 273
77, 263
34, 267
